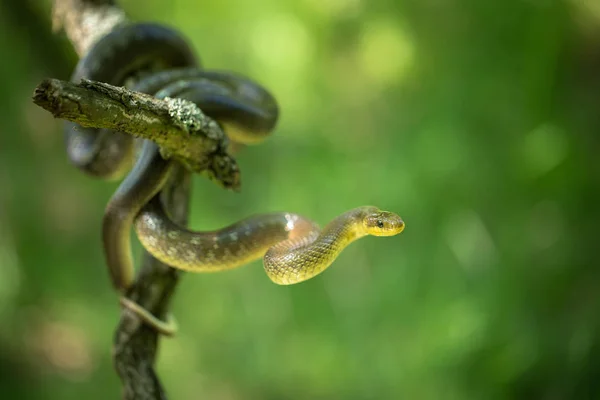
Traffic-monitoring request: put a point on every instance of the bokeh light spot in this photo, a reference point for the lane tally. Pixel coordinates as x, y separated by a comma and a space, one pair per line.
282, 51
544, 149
469, 239
336, 8
546, 224
282, 43
385, 52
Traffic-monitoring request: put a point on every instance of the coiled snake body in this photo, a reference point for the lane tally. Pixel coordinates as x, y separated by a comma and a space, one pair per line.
293, 247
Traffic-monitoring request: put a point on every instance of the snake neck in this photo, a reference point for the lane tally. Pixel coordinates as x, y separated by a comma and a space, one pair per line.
346, 228
296, 260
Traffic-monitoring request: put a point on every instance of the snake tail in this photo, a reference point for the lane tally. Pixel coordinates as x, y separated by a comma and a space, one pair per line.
167, 328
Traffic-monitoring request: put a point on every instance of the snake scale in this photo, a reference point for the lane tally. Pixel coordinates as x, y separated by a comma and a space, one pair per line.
293, 247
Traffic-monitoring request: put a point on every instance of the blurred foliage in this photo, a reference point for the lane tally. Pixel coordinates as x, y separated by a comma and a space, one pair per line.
477, 121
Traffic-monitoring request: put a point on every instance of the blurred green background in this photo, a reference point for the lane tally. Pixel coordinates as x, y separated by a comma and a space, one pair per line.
477, 121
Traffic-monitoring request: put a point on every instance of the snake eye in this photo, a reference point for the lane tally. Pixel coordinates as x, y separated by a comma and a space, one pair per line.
380, 224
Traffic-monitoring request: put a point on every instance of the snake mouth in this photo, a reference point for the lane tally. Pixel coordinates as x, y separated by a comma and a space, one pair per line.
401, 225
396, 226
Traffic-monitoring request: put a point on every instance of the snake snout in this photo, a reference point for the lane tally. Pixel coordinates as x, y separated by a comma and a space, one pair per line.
393, 224
383, 223
397, 224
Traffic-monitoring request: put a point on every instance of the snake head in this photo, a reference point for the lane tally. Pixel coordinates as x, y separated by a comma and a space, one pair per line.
383, 223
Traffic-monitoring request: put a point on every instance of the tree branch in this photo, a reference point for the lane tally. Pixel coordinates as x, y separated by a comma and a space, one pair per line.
135, 344
178, 126
86, 21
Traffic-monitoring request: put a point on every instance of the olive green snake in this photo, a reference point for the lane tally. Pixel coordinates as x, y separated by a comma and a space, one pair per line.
293, 248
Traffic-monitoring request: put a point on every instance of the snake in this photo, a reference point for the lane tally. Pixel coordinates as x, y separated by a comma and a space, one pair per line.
293, 247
